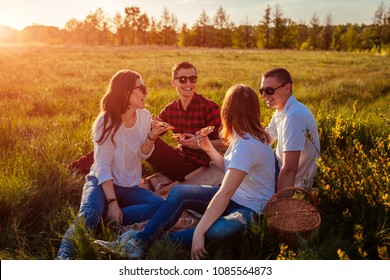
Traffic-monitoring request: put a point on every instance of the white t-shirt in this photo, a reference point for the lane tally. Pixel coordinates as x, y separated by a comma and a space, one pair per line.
121, 162
295, 129
256, 159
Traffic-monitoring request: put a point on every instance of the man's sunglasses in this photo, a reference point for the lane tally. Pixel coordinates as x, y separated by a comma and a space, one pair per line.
270, 90
184, 79
142, 87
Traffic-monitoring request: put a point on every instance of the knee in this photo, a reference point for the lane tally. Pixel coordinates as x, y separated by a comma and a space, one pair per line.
157, 203
90, 214
178, 192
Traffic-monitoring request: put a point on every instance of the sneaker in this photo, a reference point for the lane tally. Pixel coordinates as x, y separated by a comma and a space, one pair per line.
128, 234
110, 247
133, 249
126, 249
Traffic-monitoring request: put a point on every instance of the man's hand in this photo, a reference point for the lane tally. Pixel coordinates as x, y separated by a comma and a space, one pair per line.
189, 141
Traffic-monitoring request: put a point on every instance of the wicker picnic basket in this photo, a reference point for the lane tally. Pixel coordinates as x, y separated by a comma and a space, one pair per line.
293, 217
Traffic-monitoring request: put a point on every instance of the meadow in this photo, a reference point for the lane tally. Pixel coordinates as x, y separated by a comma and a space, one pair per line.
49, 97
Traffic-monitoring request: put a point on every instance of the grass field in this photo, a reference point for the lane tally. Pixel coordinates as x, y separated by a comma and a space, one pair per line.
49, 97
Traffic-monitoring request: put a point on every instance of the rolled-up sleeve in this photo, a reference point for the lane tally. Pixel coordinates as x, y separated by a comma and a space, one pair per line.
103, 154
146, 125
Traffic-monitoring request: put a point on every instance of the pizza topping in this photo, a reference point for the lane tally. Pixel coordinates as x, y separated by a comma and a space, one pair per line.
207, 130
158, 122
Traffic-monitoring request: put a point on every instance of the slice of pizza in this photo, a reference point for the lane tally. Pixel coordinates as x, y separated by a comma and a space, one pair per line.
207, 130
157, 121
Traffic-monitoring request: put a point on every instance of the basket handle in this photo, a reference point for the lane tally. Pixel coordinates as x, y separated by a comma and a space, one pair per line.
276, 195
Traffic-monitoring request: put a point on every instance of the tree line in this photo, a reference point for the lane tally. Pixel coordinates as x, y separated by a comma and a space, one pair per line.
273, 31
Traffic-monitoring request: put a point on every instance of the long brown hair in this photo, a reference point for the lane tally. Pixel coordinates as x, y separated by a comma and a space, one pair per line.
115, 102
240, 113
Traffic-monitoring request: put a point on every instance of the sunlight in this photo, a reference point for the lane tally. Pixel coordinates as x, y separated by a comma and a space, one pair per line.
6, 34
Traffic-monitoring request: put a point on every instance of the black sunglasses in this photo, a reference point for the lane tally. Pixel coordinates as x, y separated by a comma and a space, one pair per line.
270, 90
142, 87
184, 79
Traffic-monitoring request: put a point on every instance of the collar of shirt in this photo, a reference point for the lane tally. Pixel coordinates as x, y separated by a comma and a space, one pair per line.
279, 116
193, 101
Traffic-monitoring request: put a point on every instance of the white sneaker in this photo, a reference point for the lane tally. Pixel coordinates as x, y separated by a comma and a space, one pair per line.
125, 246
132, 249
128, 234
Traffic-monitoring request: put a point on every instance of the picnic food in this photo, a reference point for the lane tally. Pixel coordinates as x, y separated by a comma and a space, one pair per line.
157, 121
207, 130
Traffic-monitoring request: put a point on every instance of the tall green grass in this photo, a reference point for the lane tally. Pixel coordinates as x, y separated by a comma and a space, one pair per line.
49, 97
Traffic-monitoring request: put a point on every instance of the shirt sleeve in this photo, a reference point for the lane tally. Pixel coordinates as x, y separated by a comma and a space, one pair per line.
214, 119
272, 130
294, 134
145, 129
242, 156
103, 155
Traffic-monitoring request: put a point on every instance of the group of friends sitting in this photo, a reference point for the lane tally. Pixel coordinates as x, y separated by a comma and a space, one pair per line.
231, 137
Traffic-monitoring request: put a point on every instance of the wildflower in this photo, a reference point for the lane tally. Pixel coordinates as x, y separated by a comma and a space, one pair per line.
342, 255
286, 254
383, 253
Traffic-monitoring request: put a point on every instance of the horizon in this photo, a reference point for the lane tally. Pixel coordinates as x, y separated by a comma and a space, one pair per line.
187, 11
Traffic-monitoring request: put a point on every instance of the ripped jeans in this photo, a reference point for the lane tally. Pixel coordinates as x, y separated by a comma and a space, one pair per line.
235, 219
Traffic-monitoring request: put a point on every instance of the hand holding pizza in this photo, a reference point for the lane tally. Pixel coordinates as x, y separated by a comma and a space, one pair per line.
203, 141
158, 126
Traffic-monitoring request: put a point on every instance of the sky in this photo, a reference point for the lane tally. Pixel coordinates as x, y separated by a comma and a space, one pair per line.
18, 14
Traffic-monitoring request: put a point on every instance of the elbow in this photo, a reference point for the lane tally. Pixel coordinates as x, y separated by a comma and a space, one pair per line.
291, 172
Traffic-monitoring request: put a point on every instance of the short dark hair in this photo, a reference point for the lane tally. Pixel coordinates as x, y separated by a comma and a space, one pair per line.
281, 74
180, 65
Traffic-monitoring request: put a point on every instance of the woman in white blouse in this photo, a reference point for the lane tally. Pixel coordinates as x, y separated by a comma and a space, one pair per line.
123, 136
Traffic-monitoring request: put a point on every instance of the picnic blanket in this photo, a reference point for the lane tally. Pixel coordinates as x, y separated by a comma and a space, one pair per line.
161, 185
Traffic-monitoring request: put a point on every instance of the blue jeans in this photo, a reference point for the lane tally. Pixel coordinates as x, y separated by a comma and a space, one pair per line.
137, 204
235, 219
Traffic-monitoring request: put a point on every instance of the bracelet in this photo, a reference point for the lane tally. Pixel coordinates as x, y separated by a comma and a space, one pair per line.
111, 200
151, 139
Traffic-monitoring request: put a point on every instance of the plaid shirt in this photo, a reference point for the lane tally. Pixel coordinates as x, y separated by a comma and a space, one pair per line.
201, 112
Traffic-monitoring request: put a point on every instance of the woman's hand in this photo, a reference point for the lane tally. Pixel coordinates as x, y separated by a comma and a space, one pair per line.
204, 142
158, 127
114, 212
198, 250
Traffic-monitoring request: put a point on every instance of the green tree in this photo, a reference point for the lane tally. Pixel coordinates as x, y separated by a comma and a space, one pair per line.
266, 24
278, 29
203, 30
119, 29
167, 28
290, 33
314, 40
326, 32
350, 38
223, 28
131, 21
244, 36
337, 43
185, 36
368, 37
302, 34
143, 25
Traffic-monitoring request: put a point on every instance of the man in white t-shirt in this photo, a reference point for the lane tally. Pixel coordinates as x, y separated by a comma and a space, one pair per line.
294, 128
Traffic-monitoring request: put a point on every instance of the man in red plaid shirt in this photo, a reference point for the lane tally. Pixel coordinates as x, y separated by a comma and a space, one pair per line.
188, 114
